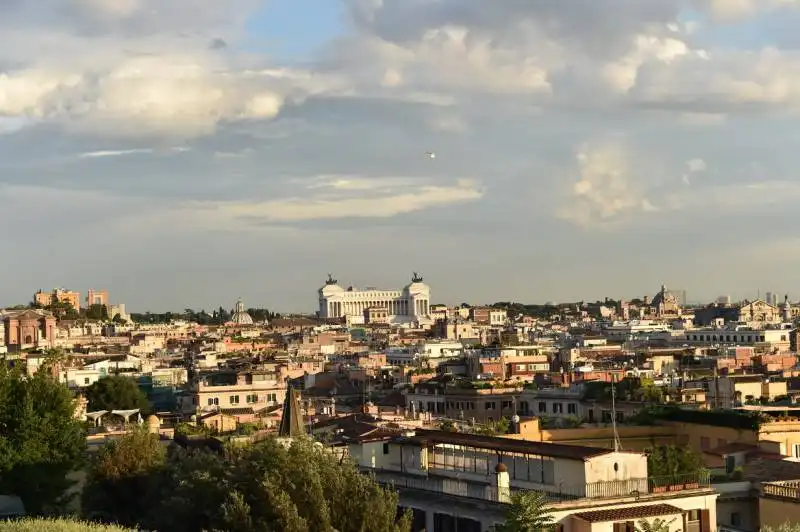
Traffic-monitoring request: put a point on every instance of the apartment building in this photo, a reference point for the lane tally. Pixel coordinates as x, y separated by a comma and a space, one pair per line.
223, 390
480, 404
454, 481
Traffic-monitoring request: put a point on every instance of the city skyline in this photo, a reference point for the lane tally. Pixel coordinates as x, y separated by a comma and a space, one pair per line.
311, 303
182, 154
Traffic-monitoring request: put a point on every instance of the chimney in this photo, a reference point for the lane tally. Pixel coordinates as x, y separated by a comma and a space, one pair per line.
503, 483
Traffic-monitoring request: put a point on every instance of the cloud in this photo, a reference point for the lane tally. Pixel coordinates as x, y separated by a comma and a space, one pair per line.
383, 204
694, 166
606, 190
114, 153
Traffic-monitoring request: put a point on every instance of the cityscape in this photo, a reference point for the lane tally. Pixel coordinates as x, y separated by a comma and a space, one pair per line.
399, 266
616, 412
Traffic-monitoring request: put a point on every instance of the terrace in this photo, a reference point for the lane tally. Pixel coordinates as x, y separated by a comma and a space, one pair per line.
594, 492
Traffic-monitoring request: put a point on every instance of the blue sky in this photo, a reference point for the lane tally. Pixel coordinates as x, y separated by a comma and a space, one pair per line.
294, 30
584, 149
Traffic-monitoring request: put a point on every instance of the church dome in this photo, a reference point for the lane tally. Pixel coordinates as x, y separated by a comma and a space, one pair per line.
241, 317
664, 298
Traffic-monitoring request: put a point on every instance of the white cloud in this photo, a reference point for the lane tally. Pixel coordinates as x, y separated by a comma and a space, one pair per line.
181, 96
385, 205
606, 190
693, 166
113, 153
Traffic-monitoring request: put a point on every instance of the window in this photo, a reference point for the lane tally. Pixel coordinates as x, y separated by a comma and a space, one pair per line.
693, 516
558, 408
213, 401
572, 408
705, 443
385, 448
797, 450
490, 405
86, 380
542, 407
736, 519
272, 398
252, 398
234, 399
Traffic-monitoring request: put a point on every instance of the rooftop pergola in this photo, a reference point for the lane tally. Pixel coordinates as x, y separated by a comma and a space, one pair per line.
98, 415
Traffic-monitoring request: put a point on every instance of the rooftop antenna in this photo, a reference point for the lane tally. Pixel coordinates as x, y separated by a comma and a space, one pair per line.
617, 444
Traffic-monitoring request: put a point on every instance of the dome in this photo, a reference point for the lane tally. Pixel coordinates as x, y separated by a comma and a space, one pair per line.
241, 317
664, 297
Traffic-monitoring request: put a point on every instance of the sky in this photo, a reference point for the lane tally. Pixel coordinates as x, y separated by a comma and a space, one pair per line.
185, 153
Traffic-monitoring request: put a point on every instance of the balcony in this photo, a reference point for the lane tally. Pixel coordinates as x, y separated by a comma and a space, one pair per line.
784, 489
595, 491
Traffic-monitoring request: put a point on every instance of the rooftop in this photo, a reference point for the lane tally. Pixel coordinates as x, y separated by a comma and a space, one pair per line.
428, 438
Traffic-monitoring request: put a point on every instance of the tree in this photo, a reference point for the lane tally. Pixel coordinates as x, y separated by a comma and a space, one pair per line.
528, 513
40, 440
672, 461
116, 393
658, 525
262, 488
119, 480
97, 312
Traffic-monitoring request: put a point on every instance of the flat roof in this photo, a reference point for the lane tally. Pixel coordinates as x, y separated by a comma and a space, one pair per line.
428, 438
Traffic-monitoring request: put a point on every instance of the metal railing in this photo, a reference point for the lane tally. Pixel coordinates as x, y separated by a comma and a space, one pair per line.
786, 489
556, 493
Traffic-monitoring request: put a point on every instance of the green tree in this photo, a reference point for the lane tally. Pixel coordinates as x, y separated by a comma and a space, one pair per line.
40, 440
116, 393
97, 312
528, 513
268, 487
120, 478
671, 461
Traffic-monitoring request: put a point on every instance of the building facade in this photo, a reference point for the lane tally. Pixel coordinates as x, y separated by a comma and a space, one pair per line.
46, 299
28, 328
406, 306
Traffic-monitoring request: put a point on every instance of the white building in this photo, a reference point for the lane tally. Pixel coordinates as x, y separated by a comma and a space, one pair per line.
409, 305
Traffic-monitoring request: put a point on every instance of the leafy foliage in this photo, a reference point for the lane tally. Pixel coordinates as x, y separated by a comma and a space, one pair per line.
40, 440
55, 525
262, 488
116, 393
528, 513
119, 480
671, 460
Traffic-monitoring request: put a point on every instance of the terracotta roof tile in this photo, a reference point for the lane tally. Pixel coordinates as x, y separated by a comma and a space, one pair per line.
629, 514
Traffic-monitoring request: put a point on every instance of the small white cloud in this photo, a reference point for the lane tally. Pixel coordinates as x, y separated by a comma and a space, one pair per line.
695, 166
114, 153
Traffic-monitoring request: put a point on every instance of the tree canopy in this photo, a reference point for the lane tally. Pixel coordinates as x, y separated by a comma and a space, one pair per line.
263, 488
671, 460
116, 393
528, 513
120, 476
40, 439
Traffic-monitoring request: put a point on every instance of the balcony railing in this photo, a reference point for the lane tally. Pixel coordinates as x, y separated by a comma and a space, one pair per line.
556, 493
786, 489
